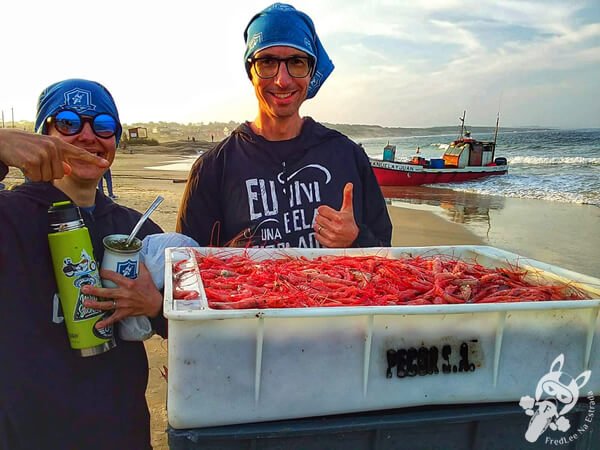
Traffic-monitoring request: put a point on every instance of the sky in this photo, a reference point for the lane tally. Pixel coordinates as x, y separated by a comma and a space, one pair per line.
398, 63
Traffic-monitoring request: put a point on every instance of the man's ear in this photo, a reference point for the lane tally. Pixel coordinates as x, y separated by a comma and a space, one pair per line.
248, 70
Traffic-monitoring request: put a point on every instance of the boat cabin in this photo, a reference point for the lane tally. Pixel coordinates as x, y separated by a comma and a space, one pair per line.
467, 151
389, 152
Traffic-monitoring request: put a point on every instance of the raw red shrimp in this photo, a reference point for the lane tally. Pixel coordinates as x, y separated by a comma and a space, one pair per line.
242, 304
181, 294
418, 301
365, 280
183, 264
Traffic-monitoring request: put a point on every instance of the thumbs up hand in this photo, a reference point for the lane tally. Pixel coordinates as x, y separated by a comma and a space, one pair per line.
337, 229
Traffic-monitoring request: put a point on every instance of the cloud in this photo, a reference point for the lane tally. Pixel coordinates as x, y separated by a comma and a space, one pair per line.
397, 62
491, 48
449, 33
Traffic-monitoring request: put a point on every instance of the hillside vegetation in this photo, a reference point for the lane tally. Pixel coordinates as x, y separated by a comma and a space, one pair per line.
216, 131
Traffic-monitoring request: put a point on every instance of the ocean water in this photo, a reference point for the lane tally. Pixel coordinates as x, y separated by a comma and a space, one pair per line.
547, 207
554, 165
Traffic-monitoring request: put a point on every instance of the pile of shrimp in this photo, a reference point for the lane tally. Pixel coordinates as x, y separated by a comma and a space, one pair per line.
239, 282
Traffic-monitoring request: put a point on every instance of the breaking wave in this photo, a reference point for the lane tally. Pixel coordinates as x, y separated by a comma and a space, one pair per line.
554, 160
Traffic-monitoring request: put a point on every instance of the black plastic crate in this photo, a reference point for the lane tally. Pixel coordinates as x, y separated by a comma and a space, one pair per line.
499, 426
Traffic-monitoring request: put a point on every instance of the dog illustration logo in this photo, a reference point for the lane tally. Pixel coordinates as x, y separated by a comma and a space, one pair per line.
556, 394
82, 273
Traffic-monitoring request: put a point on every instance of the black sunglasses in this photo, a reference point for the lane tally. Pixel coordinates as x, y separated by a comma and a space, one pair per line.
268, 66
70, 123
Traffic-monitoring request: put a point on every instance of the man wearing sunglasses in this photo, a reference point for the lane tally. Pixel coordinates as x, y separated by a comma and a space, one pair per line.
284, 180
50, 397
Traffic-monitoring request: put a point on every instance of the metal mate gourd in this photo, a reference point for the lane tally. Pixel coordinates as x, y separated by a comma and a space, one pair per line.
75, 266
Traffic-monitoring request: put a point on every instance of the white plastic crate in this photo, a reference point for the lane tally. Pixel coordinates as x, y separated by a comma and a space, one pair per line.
241, 366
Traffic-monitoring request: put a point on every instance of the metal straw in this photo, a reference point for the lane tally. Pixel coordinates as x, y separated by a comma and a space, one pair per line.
145, 216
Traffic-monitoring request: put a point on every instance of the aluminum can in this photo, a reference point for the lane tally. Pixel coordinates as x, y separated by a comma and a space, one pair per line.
123, 259
75, 266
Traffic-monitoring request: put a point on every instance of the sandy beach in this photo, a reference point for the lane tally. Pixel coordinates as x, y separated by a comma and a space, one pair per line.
557, 233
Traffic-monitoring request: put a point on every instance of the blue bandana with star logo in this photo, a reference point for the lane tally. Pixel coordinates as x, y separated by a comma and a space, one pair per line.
283, 25
86, 97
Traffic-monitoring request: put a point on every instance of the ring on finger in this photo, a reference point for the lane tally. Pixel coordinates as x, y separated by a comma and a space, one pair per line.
319, 229
114, 305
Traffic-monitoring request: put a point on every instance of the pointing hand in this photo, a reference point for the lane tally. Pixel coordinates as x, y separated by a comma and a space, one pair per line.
40, 157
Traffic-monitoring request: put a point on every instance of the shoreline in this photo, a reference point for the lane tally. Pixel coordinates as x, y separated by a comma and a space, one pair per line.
557, 233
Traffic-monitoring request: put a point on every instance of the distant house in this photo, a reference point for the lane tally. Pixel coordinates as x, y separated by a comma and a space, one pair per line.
138, 133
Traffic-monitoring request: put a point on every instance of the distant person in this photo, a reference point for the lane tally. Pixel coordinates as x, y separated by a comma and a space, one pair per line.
50, 397
193, 139
284, 180
212, 138
109, 186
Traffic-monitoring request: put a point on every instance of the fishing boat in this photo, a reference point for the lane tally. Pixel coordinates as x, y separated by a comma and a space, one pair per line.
465, 159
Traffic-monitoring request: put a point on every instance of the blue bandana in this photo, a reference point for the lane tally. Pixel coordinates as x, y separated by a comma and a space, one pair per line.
86, 97
284, 25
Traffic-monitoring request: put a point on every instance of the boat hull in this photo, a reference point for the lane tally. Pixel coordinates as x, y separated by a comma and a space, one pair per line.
398, 174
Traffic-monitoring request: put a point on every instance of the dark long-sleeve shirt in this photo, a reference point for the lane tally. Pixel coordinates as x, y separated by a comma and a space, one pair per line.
273, 189
51, 398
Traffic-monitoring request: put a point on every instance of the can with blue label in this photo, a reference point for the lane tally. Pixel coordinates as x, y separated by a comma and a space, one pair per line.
125, 260
120, 257
75, 266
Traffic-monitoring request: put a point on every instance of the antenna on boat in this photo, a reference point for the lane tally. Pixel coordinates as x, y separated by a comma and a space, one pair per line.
496, 132
462, 124
498, 118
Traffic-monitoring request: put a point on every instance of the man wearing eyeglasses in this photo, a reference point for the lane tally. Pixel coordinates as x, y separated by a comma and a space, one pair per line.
283, 180
50, 397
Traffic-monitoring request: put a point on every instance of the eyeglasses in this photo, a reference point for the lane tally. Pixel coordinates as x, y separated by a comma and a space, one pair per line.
69, 123
268, 67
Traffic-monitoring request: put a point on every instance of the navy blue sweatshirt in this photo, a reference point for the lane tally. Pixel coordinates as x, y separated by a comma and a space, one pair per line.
51, 398
273, 189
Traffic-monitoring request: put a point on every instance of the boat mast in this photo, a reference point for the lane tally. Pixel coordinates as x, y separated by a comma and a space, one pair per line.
496, 132
495, 135
462, 124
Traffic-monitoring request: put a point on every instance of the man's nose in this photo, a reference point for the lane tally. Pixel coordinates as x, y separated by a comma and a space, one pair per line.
283, 76
87, 133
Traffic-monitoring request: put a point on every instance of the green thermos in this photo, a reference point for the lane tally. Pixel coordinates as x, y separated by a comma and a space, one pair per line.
74, 266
